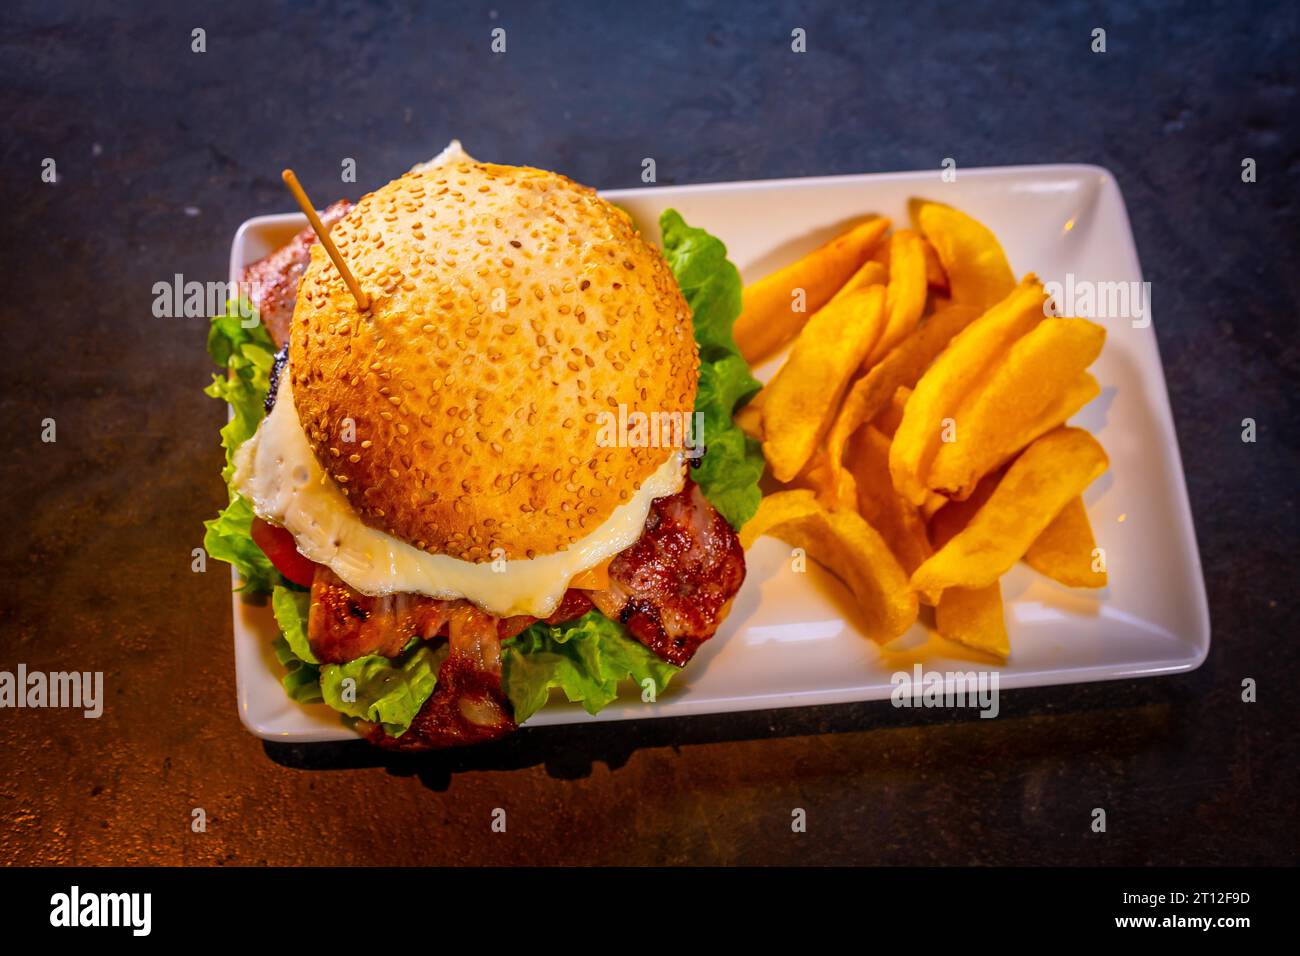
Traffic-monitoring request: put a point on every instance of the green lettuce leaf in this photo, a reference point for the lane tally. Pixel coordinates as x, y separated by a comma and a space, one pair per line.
586, 658
728, 473
733, 463
302, 673
246, 354
290, 609
301, 680
228, 537
384, 691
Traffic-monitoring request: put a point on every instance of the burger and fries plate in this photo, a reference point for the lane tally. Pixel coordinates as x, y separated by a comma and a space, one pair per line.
793, 638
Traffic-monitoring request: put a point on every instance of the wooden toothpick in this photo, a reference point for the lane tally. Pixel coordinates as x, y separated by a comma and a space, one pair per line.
290, 180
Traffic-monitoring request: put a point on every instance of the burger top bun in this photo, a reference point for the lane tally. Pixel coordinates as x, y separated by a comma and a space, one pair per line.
509, 307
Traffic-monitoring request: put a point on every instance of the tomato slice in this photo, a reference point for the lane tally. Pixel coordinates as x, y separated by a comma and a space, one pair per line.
279, 547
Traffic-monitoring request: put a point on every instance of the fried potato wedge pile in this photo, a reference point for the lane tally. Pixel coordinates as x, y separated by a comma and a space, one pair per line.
918, 426
777, 307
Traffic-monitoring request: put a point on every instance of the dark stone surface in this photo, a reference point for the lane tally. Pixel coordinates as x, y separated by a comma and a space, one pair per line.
99, 526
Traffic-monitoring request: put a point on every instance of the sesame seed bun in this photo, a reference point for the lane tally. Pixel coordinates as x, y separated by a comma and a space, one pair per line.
509, 306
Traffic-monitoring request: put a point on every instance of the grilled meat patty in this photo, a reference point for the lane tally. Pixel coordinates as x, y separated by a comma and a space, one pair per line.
273, 281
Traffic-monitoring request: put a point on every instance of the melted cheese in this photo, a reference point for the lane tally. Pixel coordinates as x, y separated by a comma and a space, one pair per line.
277, 472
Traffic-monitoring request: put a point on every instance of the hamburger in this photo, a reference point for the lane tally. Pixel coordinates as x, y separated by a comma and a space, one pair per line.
452, 495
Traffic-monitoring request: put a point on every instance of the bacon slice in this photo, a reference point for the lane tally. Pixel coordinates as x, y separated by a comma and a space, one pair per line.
468, 705
273, 281
673, 588
345, 624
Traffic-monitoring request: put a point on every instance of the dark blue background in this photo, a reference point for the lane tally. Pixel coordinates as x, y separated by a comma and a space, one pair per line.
96, 559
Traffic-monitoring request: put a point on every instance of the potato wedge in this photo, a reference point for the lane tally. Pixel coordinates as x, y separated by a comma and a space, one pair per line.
768, 320
835, 483
946, 519
1035, 488
1034, 388
1073, 397
848, 547
834, 487
804, 394
945, 384
934, 274
898, 521
905, 298
973, 261
1064, 551
891, 416
934, 502
901, 367
952, 517
871, 273
974, 617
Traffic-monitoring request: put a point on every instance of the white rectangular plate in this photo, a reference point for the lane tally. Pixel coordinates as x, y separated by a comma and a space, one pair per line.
791, 638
